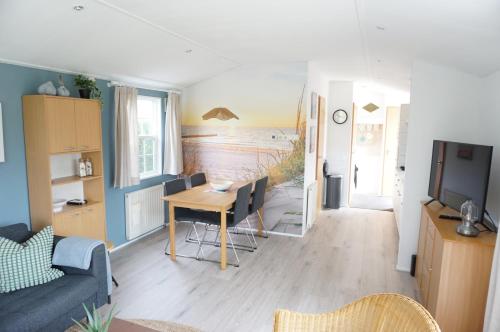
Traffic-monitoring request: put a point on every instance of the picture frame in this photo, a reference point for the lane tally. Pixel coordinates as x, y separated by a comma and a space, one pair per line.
312, 139
314, 105
2, 147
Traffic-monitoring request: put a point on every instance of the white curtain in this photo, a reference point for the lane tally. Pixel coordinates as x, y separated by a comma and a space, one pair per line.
492, 315
126, 140
172, 156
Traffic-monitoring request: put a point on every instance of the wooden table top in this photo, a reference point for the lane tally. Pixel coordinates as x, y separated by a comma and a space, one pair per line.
203, 197
447, 228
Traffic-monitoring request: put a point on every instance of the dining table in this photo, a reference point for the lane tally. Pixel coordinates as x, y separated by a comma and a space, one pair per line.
204, 197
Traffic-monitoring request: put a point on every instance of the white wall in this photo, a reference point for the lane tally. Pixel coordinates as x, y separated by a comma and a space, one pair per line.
491, 105
339, 136
316, 82
445, 104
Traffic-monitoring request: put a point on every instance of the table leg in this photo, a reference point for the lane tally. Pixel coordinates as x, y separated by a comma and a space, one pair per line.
260, 224
223, 240
171, 217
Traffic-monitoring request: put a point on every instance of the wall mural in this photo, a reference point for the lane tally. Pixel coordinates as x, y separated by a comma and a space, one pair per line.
248, 123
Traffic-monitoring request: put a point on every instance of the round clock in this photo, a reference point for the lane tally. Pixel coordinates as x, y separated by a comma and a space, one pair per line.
339, 116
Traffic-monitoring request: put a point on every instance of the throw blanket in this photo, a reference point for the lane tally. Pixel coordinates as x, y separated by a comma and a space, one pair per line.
76, 252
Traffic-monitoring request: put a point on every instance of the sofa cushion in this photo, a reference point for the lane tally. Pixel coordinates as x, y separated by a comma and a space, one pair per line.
27, 264
31, 309
16, 232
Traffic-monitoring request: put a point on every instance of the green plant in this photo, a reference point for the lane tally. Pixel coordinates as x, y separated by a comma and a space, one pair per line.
84, 82
95, 323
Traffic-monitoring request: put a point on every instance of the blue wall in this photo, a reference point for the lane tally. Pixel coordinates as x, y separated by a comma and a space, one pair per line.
16, 81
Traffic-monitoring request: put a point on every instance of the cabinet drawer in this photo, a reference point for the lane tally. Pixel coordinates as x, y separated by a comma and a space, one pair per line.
68, 224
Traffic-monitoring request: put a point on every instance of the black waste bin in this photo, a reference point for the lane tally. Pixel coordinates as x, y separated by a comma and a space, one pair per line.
333, 191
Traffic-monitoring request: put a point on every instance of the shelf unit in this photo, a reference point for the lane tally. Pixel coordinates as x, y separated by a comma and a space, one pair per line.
56, 129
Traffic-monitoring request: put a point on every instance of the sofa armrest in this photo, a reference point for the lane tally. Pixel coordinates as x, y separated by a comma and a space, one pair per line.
97, 269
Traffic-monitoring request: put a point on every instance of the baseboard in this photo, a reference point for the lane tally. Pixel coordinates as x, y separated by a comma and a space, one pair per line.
123, 245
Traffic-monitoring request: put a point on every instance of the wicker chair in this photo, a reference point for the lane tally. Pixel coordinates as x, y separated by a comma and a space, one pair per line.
380, 312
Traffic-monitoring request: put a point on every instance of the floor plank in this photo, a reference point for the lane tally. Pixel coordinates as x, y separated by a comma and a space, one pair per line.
349, 253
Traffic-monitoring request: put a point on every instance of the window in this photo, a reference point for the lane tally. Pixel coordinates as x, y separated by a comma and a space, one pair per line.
149, 132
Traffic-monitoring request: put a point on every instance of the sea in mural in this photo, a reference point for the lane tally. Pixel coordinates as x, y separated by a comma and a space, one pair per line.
226, 141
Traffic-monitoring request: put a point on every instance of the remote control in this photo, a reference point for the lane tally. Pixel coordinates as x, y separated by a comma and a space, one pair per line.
445, 216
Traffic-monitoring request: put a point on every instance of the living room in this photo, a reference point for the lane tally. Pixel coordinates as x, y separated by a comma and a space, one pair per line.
164, 162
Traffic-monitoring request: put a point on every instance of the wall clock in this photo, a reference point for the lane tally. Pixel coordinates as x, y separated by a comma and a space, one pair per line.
339, 116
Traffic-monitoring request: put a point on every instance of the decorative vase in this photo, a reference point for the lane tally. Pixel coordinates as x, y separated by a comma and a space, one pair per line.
47, 88
62, 90
84, 93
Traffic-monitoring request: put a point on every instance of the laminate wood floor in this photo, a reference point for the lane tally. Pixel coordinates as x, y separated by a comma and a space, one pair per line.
348, 253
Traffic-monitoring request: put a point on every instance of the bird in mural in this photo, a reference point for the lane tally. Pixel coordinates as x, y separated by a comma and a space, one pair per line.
220, 113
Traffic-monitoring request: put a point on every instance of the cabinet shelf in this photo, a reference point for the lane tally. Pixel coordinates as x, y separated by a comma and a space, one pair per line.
74, 178
76, 208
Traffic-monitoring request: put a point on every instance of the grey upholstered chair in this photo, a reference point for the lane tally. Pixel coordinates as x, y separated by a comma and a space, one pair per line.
234, 216
198, 179
258, 201
183, 215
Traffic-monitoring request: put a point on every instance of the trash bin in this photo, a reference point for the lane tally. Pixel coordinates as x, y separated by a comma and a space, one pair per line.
333, 191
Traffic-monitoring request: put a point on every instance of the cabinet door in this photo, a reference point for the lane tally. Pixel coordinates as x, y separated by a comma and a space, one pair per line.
93, 222
68, 224
60, 117
421, 247
88, 125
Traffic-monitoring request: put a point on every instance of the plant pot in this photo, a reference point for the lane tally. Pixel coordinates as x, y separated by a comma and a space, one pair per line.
84, 93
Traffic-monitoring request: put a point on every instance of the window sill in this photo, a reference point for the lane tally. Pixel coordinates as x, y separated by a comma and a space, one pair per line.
149, 176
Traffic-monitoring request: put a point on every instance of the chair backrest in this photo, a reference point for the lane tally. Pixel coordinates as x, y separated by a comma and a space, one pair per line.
175, 186
198, 179
258, 194
374, 313
242, 201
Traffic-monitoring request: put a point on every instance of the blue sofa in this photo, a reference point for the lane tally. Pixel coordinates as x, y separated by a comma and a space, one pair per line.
52, 306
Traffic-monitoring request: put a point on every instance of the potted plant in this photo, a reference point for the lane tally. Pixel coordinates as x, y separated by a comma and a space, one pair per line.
87, 87
95, 323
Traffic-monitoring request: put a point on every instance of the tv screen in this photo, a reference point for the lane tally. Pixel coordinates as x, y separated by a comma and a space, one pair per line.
460, 172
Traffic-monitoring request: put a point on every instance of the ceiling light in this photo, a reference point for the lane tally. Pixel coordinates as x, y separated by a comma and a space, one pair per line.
381, 28
188, 51
78, 8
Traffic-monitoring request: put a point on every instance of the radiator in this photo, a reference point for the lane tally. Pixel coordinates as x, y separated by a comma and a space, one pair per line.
144, 211
311, 204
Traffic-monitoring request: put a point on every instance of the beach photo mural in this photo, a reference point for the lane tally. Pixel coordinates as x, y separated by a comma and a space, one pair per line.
248, 123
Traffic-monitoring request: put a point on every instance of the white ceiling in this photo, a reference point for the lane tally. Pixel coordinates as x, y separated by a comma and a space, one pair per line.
145, 41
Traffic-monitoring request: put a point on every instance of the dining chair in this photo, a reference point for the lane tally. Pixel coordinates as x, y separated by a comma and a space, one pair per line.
183, 215
258, 202
234, 216
198, 179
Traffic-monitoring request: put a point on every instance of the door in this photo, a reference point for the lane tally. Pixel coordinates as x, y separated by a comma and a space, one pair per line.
390, 150
68, 223
320, 158
88, 125
60, 117
92, 222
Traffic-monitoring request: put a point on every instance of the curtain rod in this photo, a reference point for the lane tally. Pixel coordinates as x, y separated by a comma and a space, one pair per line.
115, 83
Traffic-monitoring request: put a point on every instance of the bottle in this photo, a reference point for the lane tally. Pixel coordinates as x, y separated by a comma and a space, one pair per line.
88, 167
82, 172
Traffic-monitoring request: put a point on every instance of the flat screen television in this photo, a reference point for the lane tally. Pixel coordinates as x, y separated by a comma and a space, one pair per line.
460, 172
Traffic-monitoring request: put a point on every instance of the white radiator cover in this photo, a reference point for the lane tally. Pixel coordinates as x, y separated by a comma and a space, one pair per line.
144, 211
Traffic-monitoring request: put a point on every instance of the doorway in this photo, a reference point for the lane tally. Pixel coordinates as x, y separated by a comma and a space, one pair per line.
373, 157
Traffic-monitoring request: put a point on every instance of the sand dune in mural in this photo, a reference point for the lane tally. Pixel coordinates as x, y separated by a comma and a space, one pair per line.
220, 113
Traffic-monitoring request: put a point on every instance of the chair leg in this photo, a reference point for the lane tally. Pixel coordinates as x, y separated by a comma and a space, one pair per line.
249, 230
200, 244
266, 232
234, 249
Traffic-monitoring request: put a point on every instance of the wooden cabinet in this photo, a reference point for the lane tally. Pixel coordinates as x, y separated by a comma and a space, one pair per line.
60, 120
58, 131
453, 271
87, 123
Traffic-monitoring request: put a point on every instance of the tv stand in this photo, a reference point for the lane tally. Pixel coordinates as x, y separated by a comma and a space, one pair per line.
432, 200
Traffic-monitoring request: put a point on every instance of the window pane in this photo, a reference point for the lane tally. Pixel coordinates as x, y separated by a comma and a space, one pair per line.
149, 167
149, 146
141, 164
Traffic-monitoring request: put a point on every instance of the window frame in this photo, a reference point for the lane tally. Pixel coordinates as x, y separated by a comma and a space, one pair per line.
158, 122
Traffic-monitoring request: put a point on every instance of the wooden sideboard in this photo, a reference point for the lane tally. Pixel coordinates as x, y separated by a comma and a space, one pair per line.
453, 271
58, 130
